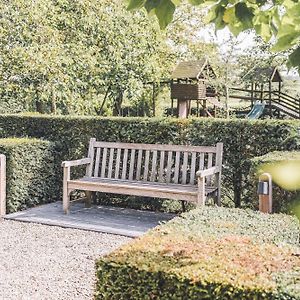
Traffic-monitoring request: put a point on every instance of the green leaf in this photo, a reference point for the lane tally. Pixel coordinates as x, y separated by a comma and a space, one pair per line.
151, 4
283, 43
294, 59
135, 4
196, 2
244, 14
164, 12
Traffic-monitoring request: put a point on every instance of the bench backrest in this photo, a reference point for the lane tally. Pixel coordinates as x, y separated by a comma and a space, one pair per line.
151, 162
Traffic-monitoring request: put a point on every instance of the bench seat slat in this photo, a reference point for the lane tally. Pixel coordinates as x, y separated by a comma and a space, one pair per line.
151, 186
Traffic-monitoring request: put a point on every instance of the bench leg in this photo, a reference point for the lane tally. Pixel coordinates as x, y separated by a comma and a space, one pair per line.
88, 200
218, 198
66, 192
201, 192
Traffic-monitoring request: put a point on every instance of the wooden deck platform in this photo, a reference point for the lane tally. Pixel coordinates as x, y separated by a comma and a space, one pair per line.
107, 219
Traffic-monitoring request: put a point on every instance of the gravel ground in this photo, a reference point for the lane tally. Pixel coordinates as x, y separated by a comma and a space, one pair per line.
46, 262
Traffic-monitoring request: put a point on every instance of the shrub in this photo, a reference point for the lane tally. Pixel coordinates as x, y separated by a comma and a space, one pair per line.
209, 253
282, 199
242, 139
31, 172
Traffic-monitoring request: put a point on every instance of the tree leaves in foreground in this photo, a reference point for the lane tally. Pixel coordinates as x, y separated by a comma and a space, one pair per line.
277, 20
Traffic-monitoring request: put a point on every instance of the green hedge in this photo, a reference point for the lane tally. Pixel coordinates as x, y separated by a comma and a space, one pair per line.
209, 253
282, 199
242, 139
31, 172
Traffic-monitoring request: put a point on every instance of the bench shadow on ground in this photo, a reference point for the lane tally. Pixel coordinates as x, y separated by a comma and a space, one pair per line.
106, 219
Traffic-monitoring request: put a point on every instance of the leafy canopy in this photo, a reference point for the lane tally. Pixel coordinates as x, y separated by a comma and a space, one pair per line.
277, 20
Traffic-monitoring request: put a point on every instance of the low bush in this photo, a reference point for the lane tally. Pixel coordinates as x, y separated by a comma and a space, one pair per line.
243, 139
31, 172
209, 253
282, 199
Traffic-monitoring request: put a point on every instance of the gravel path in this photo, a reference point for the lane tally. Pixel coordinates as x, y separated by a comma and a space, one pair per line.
44, 262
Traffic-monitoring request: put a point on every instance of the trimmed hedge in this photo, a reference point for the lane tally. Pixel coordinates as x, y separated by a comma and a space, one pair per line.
243, 139
282, 199
31, 174
209, 253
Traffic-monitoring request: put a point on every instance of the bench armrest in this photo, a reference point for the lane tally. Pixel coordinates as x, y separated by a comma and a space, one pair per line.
78, 162
208, 172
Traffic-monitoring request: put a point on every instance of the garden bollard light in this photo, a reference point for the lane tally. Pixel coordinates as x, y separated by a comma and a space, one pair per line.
264, 191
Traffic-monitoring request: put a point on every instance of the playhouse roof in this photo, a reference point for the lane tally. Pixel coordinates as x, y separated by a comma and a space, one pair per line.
268, 74
191, 69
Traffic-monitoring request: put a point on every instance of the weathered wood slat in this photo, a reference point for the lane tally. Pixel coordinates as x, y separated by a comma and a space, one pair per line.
118, 162
103, 165
177, 167
169, 166
209, 165
124, 167
184, 167
202, 160
91, 154
161, 165
193, 168
97, 162
110, 163
131, 166
139, 165
154, 166
146, 166
157, 147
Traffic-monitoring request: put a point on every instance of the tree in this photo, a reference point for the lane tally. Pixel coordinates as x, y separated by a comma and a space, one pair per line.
274, 20
65, 56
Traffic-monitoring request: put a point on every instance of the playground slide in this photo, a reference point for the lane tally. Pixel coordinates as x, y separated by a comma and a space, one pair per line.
256, 111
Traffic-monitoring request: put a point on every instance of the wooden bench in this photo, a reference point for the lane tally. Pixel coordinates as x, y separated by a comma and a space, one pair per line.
176, 172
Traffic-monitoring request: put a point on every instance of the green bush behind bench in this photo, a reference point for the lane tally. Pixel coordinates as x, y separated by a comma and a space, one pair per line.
282, 199
209, 253
31, 174
242, 139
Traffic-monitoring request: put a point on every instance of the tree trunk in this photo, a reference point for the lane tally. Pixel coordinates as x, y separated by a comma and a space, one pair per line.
227, 101
39, 106
118, 103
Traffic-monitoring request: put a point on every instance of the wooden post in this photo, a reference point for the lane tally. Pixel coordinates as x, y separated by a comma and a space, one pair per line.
2, 185
252, 94
182, 106
265, 193
219, 159
270, 98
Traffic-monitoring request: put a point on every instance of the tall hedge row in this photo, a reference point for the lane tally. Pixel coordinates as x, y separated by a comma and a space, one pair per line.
209, 253
31, 172
242, 139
